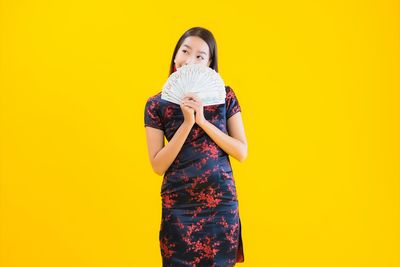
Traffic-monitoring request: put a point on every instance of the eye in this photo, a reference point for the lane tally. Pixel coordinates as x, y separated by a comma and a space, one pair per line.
184, 51
201, 57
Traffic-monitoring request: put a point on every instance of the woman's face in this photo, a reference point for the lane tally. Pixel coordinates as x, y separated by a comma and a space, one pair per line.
193, 50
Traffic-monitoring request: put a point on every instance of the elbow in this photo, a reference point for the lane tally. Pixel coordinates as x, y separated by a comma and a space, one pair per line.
243, 154
156, 169
242, 157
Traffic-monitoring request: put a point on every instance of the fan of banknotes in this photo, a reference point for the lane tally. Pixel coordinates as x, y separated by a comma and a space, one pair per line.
195, 78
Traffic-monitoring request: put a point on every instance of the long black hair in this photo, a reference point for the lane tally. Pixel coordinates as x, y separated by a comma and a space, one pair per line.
208, 37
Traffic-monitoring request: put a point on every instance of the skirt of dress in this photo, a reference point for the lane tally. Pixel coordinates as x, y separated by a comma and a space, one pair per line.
194, 237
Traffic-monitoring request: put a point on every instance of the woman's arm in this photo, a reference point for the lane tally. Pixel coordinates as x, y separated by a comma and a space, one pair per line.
161, 157
234, 143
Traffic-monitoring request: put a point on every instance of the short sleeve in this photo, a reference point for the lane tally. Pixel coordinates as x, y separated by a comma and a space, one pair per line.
232, 103
152, 116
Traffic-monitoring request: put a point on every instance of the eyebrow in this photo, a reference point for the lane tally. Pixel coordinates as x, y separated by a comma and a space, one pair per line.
201, 52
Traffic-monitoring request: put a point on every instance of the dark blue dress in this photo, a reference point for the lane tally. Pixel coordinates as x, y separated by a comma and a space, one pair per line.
200, 223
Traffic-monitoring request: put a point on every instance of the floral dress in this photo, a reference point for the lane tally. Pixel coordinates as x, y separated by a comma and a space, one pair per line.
200, 223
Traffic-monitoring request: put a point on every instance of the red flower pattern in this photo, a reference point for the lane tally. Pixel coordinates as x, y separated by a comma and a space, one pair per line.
200, 223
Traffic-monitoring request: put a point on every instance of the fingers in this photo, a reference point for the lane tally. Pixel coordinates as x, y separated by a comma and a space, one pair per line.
192, 96
190, 103
187, 108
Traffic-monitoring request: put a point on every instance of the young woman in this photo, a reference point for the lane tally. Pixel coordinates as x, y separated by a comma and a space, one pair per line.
200, 223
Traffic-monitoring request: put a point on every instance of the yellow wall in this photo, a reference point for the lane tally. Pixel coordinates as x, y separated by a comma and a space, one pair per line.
318, 83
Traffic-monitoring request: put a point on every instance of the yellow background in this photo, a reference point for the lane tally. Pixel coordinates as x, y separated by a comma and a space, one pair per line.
318, 84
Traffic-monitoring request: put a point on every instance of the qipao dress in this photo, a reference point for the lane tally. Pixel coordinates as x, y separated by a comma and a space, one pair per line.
200, 223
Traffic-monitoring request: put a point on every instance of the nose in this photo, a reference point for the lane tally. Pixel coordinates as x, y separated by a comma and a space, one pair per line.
189, 61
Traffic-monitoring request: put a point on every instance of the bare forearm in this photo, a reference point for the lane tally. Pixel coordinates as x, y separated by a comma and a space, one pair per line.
168, 153
230, 145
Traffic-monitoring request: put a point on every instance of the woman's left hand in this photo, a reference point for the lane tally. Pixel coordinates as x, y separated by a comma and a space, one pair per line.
193, 101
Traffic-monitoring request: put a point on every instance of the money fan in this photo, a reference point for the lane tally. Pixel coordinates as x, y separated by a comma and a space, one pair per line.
195, 78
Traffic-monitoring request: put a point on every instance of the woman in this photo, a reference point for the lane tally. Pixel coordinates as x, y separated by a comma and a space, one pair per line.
200, 223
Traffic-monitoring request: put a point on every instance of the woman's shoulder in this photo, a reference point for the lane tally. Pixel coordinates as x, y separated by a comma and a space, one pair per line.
153, 103
230, 94
227, 88
156, 102
153, 98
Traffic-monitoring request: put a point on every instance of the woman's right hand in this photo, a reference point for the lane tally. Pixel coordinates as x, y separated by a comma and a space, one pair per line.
188, 114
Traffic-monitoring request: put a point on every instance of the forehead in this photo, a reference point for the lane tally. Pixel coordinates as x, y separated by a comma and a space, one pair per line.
196, 44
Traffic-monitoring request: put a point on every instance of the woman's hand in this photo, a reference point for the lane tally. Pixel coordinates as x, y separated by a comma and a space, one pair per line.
192, 101
188, 114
